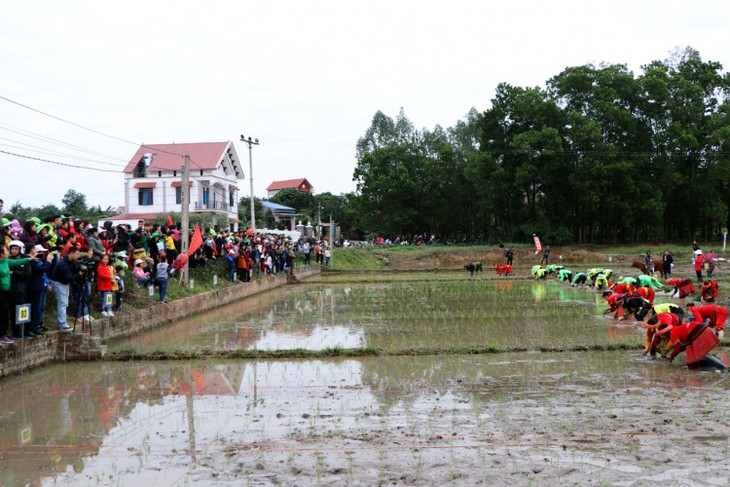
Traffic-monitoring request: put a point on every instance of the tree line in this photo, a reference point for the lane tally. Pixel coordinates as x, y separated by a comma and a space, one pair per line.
599, 155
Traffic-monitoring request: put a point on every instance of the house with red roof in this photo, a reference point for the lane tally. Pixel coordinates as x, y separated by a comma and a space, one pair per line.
301, 185
153, 181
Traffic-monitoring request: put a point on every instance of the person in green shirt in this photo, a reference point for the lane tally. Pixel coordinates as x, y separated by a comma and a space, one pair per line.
5, 308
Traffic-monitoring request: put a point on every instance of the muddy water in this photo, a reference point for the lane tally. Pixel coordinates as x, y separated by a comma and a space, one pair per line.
400, 316
613, 418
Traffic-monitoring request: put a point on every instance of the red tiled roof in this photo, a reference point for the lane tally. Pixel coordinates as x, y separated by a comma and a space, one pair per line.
145, 185
288, 183
178, 184
170, 157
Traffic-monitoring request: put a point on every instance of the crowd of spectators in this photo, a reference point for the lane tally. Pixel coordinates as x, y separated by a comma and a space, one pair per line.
81, 265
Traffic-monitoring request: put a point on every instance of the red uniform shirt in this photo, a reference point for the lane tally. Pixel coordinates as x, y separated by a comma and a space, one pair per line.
625, 288
716, 314
647, 293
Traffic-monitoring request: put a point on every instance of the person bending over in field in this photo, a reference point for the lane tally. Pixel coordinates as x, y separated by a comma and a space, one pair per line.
714, 314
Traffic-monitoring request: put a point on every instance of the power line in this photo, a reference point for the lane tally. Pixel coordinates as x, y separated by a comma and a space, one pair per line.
86, 128
60, 163
66, 121
33, 135
43, 150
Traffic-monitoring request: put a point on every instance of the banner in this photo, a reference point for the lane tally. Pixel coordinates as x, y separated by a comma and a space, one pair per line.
196, 241
538, 246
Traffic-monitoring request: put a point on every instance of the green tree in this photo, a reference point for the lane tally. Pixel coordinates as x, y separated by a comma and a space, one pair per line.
244, 211
74, 203
294, 198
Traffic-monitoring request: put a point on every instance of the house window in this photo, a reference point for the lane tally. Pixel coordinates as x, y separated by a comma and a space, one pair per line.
231, 198
201, 172
159, 174
174, 173
145, 196
178, 195
206, 195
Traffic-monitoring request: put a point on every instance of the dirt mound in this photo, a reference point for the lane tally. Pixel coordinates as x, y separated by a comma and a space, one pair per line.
450, 259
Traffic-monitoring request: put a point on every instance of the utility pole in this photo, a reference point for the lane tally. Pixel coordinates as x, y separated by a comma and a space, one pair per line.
185, 217
332, 242
319, 220
250, 143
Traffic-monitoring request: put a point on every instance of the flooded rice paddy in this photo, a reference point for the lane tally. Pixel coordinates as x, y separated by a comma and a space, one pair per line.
527, 418
397, 316
609, 418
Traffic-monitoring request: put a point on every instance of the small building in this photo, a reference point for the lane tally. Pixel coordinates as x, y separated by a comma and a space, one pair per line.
301, 185
153, 180
282, 214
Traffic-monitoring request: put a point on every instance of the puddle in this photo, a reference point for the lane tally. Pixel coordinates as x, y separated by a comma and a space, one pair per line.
433, 315
609, 417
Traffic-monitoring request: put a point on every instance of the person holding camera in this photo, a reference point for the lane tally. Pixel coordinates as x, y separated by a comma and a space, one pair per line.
82, 290
67, 271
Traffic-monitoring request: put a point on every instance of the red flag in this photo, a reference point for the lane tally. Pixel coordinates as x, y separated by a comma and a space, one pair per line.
196, 241
169, 221
538, 247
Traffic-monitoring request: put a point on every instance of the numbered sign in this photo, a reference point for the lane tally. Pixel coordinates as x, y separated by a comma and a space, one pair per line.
215, 279
192, 283
25, 435
108, 298
151, 291
22, 314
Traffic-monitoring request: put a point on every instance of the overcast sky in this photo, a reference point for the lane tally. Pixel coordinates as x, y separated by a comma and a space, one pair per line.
305, 78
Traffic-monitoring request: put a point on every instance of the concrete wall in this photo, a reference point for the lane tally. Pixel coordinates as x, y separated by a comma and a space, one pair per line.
58, 346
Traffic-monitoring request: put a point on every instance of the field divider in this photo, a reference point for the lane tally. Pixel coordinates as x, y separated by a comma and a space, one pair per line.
127, 355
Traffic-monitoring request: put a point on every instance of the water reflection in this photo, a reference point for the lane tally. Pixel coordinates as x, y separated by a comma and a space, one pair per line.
141, 423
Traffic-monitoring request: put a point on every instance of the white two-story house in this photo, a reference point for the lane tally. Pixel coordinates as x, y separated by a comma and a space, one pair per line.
153, 181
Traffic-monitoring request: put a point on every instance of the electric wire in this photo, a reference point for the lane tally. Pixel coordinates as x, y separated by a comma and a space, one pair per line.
60, 163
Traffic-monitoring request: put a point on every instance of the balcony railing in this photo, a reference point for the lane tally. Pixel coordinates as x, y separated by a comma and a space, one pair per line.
211, 205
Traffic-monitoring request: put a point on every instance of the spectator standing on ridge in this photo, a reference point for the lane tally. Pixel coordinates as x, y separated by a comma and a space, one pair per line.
667, 261
66, 272
509, 254
545, 255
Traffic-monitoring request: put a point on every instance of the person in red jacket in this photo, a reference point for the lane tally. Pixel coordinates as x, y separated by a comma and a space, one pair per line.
105, 283
647, 293
699, 261
615, 302
682, 287
695, 339
625, 288
715, 314
652, 325
710, 291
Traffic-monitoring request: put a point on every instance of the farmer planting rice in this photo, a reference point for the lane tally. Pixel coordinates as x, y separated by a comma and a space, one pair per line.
695, 338
650, 281
637, 306
682, 287
579, 280
714, 314
615, 302
667, 308
624, 288
647, 293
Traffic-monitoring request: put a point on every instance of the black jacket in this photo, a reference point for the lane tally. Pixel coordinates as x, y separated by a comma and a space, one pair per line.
66, 271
